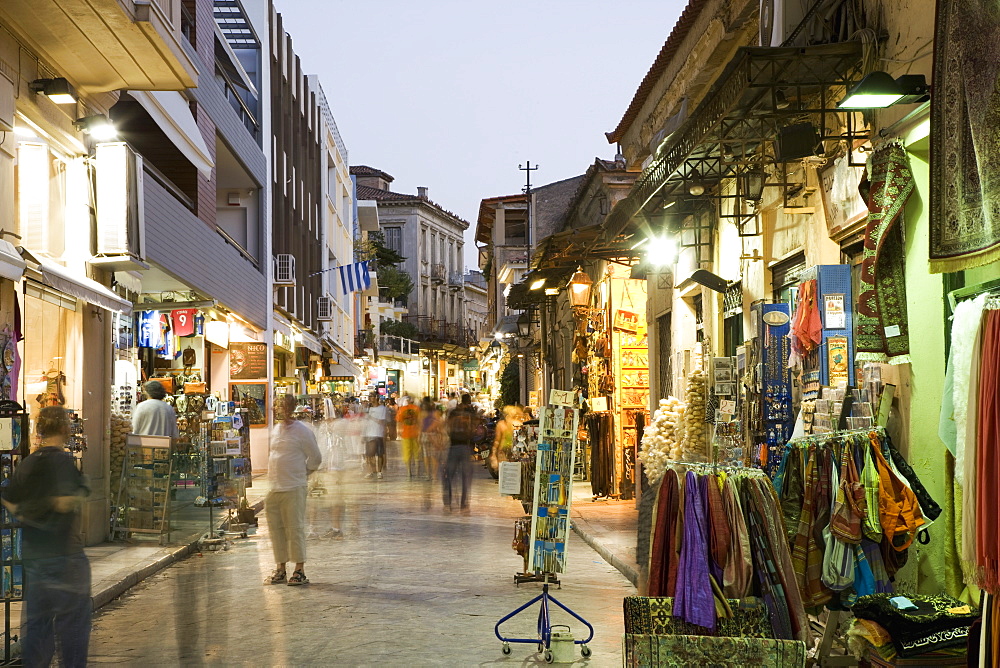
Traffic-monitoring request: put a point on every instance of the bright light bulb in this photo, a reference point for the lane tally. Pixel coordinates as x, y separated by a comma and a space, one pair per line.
535, 285
662, 251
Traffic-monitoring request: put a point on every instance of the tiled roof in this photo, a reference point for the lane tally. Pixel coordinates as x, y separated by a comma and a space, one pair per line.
387, 196
667, 53
367, 192
365, 170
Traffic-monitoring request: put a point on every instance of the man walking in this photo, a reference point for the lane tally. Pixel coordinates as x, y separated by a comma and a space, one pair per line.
294, 455
462, 425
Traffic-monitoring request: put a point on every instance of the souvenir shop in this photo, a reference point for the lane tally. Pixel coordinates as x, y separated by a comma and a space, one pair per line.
611, 347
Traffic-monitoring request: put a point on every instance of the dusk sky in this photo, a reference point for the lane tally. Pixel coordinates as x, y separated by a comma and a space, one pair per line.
454, 94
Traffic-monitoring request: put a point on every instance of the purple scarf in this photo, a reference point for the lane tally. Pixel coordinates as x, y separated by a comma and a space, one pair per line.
694, 602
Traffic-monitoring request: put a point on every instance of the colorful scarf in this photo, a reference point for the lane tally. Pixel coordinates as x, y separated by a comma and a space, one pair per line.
899, 511
664, 525
718, 529
807, 327
695, 601
988, 457
882, 332
807, 551
739, 565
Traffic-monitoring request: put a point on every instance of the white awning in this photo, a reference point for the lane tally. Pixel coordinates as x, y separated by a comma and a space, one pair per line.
310, 341
11, 263
171, 113
83, 288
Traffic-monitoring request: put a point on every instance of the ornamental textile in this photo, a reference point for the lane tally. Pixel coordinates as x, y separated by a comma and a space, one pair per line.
965, 142
881, 320
695, 601
643, 651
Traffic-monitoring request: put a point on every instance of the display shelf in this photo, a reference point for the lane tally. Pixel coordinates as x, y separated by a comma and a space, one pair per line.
144, 493
13, 447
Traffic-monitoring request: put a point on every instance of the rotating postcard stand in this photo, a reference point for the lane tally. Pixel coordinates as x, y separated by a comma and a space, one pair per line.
550, 527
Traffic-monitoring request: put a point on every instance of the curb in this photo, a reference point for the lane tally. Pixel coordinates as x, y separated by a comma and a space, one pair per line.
105, 596
582, 528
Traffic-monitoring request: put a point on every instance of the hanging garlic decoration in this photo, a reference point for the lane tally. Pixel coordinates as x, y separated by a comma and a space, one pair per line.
659, 441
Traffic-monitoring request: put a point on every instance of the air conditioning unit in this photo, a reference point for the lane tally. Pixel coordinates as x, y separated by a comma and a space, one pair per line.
324, 309
780, 18
120, 220
284, 269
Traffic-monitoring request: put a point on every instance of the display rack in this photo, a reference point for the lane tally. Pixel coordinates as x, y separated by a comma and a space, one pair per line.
13, 447
144, 492
550, 524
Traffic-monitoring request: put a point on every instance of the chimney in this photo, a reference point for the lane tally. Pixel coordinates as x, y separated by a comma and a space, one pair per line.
422, 192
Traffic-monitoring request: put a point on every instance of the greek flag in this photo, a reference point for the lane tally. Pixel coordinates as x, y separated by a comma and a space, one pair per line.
354, 277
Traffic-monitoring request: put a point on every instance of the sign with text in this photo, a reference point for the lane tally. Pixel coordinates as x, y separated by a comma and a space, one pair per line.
247, 361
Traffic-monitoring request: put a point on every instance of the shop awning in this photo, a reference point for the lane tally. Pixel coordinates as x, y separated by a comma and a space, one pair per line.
507, 324
309, 340
172, 114
83, 288
761, 91
11, 263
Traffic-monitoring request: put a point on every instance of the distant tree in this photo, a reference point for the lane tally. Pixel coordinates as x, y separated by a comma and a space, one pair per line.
396, 328
394, 283
510, 384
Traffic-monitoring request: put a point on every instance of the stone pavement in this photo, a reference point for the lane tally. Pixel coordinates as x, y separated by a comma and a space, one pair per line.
609, 527
409, 583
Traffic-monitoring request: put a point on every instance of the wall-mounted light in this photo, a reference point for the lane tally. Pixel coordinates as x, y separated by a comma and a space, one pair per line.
58, 90
879, 90
662, 251
551, 291
752, 184
695, 187
579, 293
97, 126
537, 284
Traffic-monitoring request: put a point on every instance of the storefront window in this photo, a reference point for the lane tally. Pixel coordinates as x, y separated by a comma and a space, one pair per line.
785, 279
52, 345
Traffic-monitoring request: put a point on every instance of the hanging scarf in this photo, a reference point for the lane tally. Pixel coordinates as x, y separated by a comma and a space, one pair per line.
965, 324
14, 373
970, 491
664, 524
872, 526
719, 531
792, 498
838, 557
988, 457
739, 565
807, 327
807, 551
789, 601
882, 332
694, 602
849, 504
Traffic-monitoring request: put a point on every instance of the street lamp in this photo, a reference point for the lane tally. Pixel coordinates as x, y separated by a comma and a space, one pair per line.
523, 324
752, 184
579, 293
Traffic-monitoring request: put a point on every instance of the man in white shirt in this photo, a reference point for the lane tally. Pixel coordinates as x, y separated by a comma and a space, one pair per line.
374, 435
294, 455
154, 416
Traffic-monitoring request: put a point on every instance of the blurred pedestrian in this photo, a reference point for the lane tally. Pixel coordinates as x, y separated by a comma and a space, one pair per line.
503, 438
154, 416
45, 493
433, 438
294, 455
463, 423
408, 421
374, 435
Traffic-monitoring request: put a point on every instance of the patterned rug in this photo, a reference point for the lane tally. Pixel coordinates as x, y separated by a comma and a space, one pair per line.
882, 329
965, 140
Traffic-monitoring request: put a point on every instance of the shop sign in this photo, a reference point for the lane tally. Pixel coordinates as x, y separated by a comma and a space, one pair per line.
470, 365
282, 340
247, 361
626, 321
835, 316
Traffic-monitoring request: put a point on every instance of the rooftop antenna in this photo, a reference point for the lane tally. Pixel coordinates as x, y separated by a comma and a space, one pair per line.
527, 169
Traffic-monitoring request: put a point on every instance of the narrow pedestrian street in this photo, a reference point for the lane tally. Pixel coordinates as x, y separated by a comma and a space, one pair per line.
406, 585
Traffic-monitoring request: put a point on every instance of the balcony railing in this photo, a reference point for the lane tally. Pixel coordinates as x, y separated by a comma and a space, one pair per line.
432, 330
456, 280
398, 344
504, 255
438, 273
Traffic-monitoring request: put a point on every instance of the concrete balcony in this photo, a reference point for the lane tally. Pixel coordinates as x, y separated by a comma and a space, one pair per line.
456, 280
438, 274
105, 45
510, 262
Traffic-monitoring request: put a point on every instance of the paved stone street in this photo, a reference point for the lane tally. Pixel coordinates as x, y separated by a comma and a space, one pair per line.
407, 585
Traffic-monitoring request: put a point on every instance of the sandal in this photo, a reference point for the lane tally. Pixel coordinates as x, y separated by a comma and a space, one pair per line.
298, 578
277, 577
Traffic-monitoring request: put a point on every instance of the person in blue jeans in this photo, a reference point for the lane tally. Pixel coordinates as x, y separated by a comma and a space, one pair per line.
45, 493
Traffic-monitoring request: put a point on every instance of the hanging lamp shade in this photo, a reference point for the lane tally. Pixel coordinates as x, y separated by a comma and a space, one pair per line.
580, 285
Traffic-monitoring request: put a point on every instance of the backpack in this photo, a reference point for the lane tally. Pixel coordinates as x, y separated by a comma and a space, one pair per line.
462, 426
